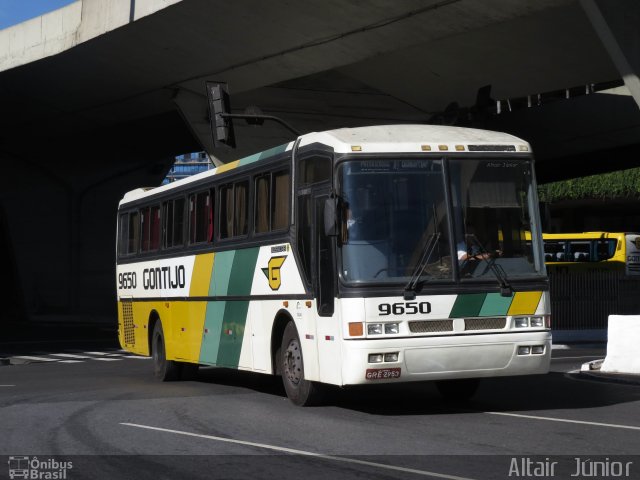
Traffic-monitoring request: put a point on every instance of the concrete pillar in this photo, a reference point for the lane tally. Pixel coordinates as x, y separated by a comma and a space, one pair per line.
616, 23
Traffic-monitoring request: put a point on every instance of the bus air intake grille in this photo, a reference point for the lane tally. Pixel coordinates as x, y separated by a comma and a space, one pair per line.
484, 323
431, 326
127, 322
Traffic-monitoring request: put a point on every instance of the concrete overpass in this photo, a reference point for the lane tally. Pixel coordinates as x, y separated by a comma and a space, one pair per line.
99, 96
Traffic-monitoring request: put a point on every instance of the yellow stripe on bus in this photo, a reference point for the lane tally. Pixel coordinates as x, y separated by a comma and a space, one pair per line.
524, 303
201, 275
227, 166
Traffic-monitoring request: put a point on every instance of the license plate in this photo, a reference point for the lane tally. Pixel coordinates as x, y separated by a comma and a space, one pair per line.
382, 373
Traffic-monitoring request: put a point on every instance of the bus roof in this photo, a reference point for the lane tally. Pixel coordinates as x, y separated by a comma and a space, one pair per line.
373, 139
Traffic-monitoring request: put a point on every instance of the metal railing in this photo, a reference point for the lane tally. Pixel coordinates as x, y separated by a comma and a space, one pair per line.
584, 301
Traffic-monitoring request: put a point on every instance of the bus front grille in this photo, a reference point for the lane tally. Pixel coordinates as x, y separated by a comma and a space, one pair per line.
431, 326
127, 323
491, 323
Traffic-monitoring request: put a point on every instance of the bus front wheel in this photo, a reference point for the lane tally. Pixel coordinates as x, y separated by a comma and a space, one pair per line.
299, 390
163, 369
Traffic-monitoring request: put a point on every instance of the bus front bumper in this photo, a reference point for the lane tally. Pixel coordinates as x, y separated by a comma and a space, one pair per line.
446, 357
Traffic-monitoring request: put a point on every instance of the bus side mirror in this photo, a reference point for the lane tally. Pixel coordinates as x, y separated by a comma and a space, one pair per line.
331, 217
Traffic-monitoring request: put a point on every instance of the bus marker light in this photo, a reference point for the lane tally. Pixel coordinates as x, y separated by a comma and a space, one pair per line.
391, 357
375, 358
356, 148
308, 303
356, 329
443, 147
521, 322
524, 350
459, 148
523, 148
547, 321
426, 148
391, 328
285, 304
537, 350
374, 329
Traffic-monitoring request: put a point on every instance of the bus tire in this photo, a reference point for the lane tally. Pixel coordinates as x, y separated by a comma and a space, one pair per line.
163, 369
457, 391
299, 390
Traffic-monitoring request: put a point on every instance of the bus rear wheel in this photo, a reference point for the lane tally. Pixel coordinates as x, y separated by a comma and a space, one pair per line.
299, 390
163, 369
457, 391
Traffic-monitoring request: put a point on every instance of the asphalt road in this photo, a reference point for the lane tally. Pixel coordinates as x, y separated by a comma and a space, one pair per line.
107, 416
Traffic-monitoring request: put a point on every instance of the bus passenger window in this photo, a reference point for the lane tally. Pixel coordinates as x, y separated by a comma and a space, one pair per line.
134, 232
280, 198
200, 218
262, 204
123, 234
150, 229
234, 209
241, 208
173, 223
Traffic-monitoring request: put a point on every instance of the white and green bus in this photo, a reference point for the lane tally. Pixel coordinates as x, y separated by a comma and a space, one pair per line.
368, 255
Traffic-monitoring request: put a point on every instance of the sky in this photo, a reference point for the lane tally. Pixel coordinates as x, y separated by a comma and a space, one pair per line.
17, 11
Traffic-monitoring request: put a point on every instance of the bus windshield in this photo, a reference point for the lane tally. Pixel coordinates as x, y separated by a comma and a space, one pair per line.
401, 219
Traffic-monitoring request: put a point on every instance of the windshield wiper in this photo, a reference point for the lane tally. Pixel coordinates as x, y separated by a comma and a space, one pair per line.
505, 287
427, 251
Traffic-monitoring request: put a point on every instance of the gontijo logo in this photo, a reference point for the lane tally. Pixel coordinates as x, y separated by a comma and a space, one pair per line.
272, 272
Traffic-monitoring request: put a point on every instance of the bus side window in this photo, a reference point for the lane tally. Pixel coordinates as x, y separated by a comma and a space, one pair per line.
123, 234
280, 198
234, 209
173, 227
314, 169
200, 218
134, 232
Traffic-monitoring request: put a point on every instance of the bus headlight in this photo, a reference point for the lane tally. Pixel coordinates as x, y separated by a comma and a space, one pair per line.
391, 328
374, 329
521, 322
537, 322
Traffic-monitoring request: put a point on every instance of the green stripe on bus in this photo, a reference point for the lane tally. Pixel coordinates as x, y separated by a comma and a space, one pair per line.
495, 304
259, 156
467, 305
235, 313
214, 318
211, 335
222, 265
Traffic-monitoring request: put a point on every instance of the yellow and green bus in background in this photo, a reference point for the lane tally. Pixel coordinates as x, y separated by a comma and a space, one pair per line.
368, 255
592, 251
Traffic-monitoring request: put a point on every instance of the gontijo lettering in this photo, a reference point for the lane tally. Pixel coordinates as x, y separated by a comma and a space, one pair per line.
164, 277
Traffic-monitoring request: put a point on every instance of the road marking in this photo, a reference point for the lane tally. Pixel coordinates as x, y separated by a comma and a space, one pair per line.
107, 359
71, 361
565, 420
68, 355
38, 359
7, 385
136, 356
302, 452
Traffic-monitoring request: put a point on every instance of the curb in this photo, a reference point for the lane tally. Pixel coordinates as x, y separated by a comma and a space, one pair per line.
608, 378
4, 361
